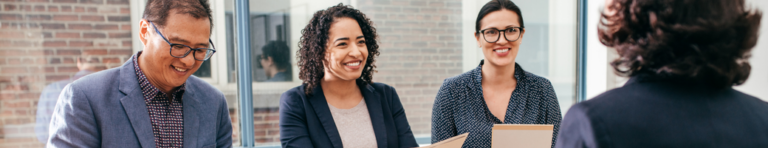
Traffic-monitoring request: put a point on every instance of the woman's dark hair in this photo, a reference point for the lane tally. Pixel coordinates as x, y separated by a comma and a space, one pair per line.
498, 5
701, 41
280, 54
157, 10
313, 41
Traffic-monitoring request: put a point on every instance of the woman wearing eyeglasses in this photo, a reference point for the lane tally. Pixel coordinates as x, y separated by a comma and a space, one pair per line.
498, 91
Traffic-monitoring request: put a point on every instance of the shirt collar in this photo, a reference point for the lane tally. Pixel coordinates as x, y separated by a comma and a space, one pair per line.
478, 73
150, 91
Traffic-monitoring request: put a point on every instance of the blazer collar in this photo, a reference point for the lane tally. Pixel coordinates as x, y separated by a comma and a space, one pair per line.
134, 105
136, 108
373, 102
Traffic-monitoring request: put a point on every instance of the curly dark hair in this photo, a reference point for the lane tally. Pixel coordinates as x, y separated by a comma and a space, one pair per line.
701, 41
312, 45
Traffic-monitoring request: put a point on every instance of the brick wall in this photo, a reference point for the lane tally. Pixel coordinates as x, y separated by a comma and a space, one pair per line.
420, 47
40, 41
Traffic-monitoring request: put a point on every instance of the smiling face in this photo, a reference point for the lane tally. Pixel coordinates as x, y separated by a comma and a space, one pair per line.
163, 70
346, 52
502, 52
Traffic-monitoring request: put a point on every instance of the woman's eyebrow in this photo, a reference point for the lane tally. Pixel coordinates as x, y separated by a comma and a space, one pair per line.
340, 39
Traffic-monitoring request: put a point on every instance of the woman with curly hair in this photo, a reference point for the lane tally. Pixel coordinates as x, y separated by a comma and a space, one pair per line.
683, 57
338, 105
498, 90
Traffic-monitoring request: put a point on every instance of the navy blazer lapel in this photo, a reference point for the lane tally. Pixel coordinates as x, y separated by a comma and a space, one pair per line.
373, 102
134, 105
320, 105
191, 118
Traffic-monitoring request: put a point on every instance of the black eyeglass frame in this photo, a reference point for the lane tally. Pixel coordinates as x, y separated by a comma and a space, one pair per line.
482, 33
208, 54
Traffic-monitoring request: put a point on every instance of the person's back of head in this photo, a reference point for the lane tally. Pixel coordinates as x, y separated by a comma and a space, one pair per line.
280, 54
701, 41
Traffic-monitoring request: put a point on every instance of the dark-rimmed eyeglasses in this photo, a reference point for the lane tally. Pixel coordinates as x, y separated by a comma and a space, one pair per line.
492, 35
181, 50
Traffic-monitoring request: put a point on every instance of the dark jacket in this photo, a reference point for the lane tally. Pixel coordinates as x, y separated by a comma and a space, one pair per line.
107, 109
306, 121
652, 112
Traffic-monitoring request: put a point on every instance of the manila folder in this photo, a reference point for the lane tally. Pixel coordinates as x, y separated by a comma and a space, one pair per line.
453, 142
521, 136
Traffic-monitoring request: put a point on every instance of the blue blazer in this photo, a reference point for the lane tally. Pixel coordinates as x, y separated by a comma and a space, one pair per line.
107, 109
650, 112
306, 121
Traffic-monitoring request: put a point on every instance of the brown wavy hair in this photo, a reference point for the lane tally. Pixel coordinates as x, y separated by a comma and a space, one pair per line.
703, 41
312, 45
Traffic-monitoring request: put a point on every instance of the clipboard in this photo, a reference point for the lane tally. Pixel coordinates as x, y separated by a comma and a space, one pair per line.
453, 142
521, 136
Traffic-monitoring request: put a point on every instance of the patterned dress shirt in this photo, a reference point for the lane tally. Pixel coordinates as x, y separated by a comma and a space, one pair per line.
166, 115
460, 108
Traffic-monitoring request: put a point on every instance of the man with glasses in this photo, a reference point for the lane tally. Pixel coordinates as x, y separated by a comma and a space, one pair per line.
152, 100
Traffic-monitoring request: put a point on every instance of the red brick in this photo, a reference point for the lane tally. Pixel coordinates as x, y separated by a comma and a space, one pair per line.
48, 26
92, 10
80, 26
92, 1
7, 96
96, 18
125, 10
65, 17
94, 35
53, 8
66, 8
16, 104
49, 69
127, 43
120, 35
9, 7
106, 27
12, 34
67, 35
52, 77
80, 43
117, 1
54, 60
111, 60
7, 17
64, 1
119, 18
38, 17
39, 8
54, 43
68, 52
14, 61
27, 8
14, 70
29, 95
126, 27
67, 69
120, 52
79, 9
68, 60
95, 52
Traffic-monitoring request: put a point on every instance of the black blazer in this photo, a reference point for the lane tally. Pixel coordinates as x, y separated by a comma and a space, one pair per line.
649, 112
306, 121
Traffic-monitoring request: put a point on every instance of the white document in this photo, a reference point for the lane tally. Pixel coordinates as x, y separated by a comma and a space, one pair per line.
521, 136
453, 142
